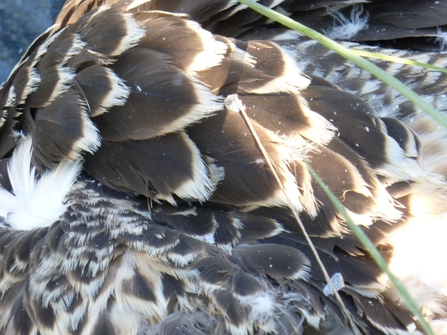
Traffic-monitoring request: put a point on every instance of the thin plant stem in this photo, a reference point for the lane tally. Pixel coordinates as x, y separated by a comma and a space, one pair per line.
349, 55
401, 88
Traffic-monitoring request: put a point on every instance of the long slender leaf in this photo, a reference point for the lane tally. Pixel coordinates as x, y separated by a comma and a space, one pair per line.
398, 60
405, 91
356, 59
375, 254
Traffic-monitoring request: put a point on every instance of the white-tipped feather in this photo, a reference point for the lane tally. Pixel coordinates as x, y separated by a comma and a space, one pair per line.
90, 140
66, 76
43, 48
292, 79
31, 85
76, 48
117, 96
11, 100
134, 34
153, 310
199, 186
240, 55
212, 53
207, 103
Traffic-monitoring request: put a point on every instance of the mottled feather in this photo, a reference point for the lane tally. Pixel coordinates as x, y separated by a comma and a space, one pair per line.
133, 201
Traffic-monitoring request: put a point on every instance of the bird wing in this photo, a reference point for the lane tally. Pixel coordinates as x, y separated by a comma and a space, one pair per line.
167, 216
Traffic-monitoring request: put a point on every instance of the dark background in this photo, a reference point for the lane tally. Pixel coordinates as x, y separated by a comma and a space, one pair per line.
21, 21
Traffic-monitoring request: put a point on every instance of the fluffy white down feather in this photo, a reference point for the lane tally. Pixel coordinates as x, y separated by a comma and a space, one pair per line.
35, 202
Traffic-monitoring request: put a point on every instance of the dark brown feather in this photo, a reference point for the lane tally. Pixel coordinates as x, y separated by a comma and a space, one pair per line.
176, 223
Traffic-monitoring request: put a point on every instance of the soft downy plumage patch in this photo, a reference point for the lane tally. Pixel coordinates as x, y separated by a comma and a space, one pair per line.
35, 201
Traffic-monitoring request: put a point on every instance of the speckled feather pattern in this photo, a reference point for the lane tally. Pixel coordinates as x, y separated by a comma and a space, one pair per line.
134, 201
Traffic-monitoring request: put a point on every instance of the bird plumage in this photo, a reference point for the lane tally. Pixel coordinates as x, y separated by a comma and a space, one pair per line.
167, 218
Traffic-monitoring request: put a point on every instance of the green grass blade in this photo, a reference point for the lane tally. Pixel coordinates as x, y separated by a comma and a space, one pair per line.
397, 60
400, 87
375, 254
356, 59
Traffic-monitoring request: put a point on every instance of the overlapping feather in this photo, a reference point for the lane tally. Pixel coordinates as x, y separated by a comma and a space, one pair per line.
177, 223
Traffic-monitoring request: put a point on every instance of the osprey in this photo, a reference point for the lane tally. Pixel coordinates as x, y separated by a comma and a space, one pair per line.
155, 180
